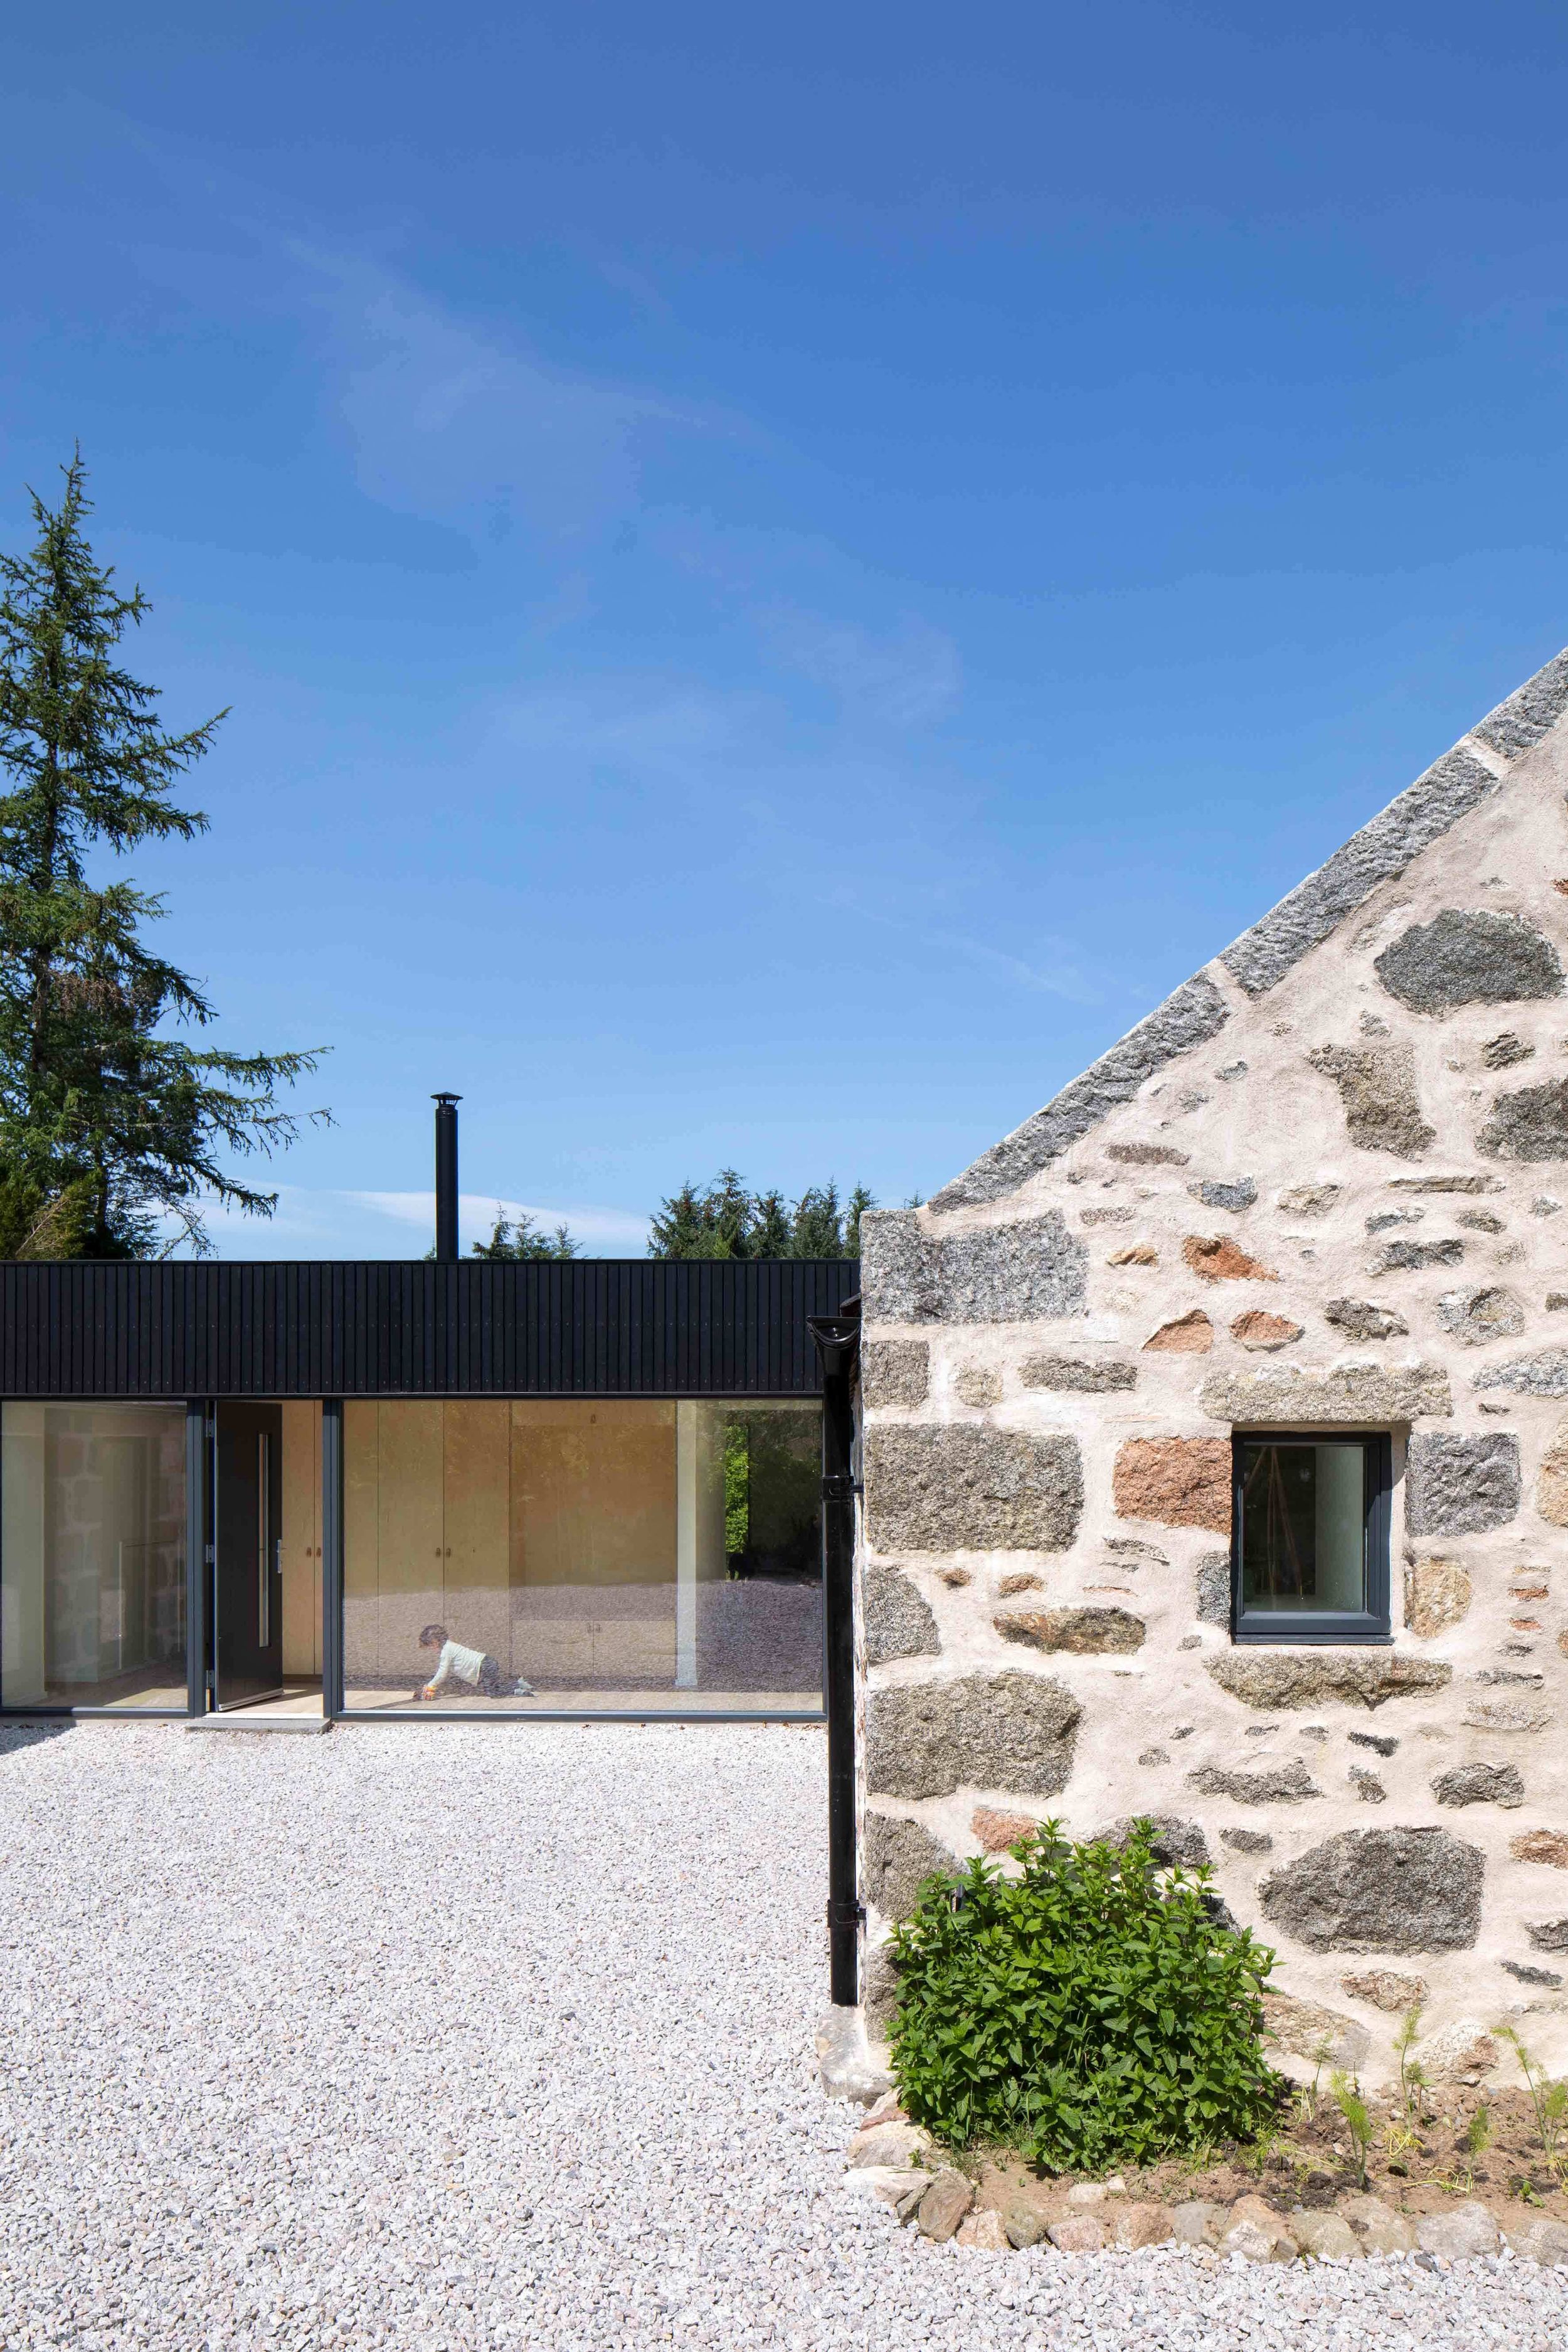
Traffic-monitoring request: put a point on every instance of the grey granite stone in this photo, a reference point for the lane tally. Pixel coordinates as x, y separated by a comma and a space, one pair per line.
1443, 1184
1528, 713
1377, 1091
897, 1858
1248, 1841
1409, 1257
1284, 1395
1392, 1890
1213, 1589
1147, 1155
1009, 1731
1422, 815
1548, 1935
1551, 1979
1126, 1551
1082, 1631
1379, 1742
1310, 1199
1502, 1051
1469, 957
898, 1619
1479, 1784
1308, 2031
1284, 1783
1360, 1320
1461, 1486
1030, 1272
1194, 1013
1480, 1221
1530, 1125
961, 1487
879, 1990
1276, 1679
1474, 1316
1238, 1196
1177, 1843
895, 1372
1072, 1372
1543, 1375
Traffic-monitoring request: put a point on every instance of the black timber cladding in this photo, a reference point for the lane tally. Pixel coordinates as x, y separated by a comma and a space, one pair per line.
590, 1327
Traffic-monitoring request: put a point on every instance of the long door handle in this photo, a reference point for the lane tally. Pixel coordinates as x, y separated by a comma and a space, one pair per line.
264, 1539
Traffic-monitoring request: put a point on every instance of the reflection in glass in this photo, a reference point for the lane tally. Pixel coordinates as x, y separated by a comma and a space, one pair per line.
581, 1555
92, 1555
1303, 1524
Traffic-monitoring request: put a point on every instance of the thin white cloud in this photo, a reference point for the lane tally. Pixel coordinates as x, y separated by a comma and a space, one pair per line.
908, 676
461, 426
323, 1222
476, 1213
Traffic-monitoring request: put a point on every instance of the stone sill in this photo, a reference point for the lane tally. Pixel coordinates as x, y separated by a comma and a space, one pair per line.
1311, 1641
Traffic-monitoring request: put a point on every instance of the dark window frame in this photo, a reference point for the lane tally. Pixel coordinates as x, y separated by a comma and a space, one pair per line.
1340, 1626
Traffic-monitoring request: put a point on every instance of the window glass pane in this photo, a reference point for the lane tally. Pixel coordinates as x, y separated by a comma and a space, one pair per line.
543, 1553
1303, 1524
92, 1555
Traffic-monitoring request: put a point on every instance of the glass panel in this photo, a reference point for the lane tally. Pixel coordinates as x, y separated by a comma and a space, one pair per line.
1303, 1524
540, 1553
92, 1555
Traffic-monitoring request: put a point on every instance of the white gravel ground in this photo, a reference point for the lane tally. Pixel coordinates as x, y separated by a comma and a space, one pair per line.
495, 2036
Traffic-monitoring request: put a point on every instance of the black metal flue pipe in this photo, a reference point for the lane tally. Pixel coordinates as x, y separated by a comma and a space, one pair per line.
447, 1247
838, 1349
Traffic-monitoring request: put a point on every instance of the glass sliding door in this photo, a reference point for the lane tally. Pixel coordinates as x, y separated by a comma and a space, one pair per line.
92, 1555
534, 1553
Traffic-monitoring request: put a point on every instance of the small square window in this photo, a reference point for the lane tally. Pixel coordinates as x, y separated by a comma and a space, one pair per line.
1310, 1542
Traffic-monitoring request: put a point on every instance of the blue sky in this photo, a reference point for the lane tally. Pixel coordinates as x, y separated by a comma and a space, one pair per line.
781, 577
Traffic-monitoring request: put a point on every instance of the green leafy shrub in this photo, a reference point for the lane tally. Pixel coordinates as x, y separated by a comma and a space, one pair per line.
1090, 2013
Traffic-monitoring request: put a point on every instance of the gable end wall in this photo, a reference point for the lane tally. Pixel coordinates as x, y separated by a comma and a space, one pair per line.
1324, 1186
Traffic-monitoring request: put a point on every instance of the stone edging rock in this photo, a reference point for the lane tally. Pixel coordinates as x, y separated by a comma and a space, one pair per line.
895, 2163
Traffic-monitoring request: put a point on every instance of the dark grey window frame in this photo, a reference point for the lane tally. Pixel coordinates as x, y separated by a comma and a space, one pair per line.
1375, 1623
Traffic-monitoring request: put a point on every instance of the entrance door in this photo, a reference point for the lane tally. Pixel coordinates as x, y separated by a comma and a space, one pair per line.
247, 1574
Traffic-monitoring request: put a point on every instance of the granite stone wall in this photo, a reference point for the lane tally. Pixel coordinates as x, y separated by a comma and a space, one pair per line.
1325, 1186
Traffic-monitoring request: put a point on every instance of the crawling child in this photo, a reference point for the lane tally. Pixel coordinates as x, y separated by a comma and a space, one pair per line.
468, 1670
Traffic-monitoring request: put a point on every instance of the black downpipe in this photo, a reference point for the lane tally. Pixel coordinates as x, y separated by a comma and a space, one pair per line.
837, 1349
446, 1177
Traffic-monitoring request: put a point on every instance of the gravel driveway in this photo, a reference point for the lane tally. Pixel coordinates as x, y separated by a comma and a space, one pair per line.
500, 2035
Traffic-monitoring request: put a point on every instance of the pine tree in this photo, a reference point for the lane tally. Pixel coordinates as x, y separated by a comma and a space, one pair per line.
524, 1241
814, 1230
722, 1218
107, 1126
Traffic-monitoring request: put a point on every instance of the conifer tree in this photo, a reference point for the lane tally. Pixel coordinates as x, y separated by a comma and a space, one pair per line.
722, 1218
524, 1241
109, 1127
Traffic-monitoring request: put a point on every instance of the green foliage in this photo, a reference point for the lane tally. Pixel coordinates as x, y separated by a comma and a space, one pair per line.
1346, 2093
736, 1488
1089, 2012
1478, 2132
1412, 2074
108, 1125
1549, 2100
772, 1490
523, 1242
722, 1219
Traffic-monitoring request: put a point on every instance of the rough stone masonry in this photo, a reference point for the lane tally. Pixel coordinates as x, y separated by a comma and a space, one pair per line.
1324, 1187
